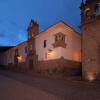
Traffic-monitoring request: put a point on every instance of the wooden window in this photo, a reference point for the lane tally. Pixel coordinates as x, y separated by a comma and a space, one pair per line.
59, 40
59, 37
45, 43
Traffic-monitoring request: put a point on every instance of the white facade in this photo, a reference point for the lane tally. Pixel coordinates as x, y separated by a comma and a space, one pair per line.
72, 40
72, 51
8, 56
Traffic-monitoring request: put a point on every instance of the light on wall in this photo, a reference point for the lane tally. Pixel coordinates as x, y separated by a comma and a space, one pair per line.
90, 76
19, 58
77, 56
50, 52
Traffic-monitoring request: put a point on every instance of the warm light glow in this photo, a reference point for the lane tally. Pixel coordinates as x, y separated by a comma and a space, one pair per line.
50, 52
77, 56
90, 76
87, 9
19, 58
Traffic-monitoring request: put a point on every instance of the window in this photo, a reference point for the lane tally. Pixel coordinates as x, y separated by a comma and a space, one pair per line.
45, 43
16, 52
59, 37
25, 49
59, 40
97, 9
56, 38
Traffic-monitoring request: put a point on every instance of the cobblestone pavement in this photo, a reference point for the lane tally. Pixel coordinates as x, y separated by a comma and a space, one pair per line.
18, 86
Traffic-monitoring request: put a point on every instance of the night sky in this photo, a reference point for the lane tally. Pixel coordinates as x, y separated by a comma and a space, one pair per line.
15, 16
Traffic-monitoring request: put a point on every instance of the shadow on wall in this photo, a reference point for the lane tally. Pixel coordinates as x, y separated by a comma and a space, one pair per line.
80, 70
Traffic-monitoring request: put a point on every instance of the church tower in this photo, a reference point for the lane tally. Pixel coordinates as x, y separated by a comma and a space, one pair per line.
33, 30
90, 29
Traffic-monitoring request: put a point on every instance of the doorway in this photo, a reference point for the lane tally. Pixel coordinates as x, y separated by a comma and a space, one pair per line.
31, 64
16, 61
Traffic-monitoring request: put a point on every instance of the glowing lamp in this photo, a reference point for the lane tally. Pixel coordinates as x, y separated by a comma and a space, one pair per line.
50, 52
77, 56
19, 58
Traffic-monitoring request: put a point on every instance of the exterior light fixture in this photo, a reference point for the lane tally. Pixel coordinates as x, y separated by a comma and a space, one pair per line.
19, 58
50, 52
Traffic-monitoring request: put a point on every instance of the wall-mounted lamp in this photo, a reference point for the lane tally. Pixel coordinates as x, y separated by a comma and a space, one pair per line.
50, 52
19, 58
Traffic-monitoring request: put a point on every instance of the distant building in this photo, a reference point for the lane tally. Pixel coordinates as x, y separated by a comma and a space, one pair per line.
90, 28
57, 48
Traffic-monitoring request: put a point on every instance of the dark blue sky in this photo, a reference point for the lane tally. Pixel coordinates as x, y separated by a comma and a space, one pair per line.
15, 16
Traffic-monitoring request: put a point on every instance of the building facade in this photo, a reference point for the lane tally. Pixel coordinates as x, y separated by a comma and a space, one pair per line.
57, 49
15, 56
90, 28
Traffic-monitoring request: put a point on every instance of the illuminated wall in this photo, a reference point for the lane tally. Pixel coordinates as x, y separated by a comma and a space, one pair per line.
72, 40
45, 49
8, 56
22, 53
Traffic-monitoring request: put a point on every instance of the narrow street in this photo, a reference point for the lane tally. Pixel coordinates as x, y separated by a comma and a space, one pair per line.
18, 86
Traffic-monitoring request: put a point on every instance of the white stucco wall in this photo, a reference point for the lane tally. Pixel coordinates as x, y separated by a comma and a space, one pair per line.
43, 52
72, 40
4, 58
21, 51
76, 47
8, 56
71, 52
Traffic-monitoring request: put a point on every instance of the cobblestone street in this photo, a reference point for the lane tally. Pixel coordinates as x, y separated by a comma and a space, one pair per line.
18, 86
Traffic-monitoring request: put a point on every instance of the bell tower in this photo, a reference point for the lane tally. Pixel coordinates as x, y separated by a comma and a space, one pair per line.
90, 10
33, 30
90, 29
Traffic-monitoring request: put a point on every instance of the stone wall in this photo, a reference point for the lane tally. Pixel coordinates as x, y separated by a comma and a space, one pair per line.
90, 50
21, 67
51, 67
60, 66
